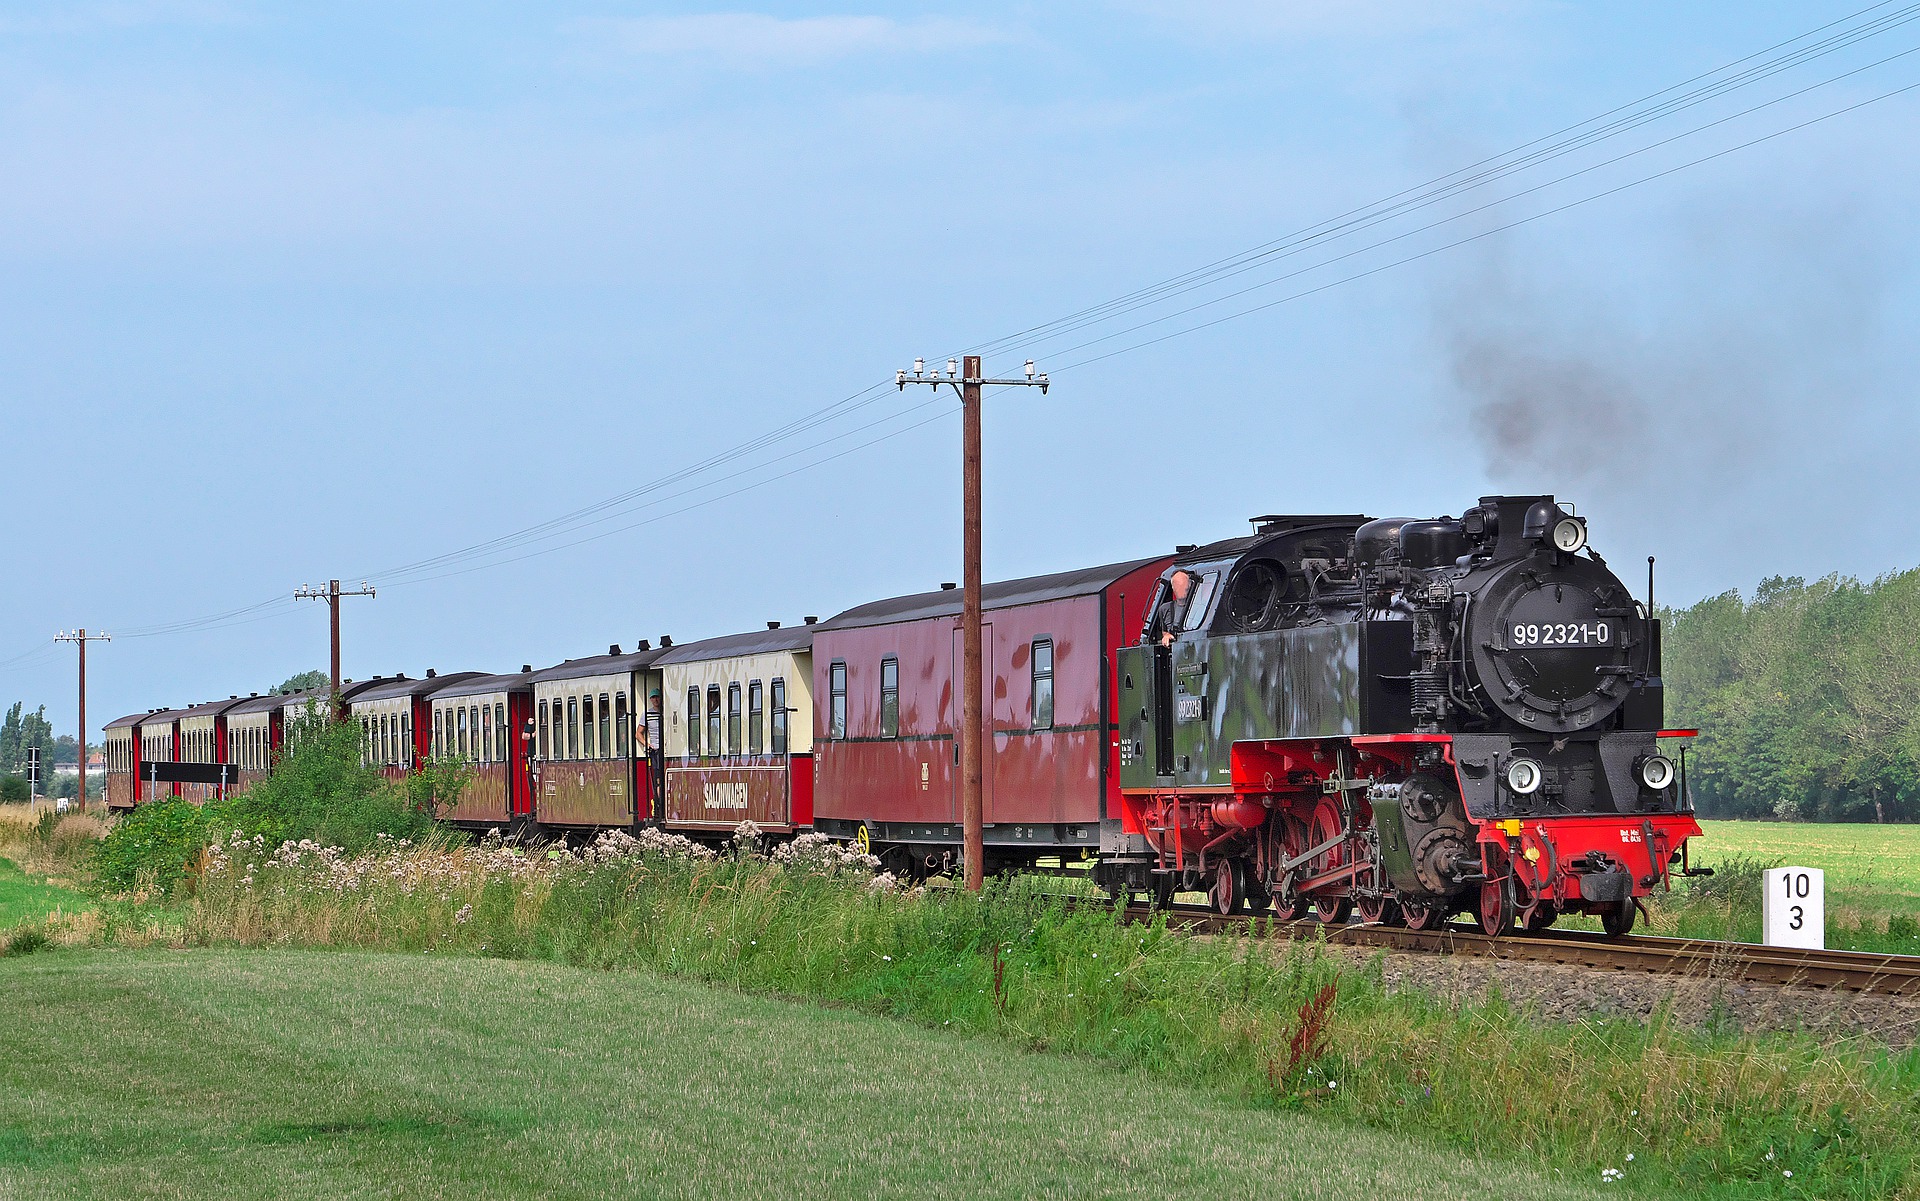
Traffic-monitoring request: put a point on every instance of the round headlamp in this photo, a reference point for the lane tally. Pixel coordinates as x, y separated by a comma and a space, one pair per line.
1569, 534
1524, 776
1656, 772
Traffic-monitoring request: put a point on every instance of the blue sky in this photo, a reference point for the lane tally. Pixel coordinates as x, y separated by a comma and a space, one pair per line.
289, 293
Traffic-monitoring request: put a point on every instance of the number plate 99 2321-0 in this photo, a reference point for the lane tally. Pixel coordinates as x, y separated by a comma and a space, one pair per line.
1562, 633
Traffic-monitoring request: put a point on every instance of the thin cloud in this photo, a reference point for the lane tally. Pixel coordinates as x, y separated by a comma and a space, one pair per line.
759, 40
1339, 19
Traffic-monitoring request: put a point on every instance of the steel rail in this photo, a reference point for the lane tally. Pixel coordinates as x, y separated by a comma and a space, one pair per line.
1846, 971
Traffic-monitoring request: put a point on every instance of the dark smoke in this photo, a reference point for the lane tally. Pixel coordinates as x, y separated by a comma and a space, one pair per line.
1699, 367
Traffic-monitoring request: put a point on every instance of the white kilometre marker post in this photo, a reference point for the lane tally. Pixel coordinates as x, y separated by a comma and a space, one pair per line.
1793, 910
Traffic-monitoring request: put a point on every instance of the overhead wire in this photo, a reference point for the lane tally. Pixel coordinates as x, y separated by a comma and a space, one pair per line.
1428, 253
1446, 187
501, 550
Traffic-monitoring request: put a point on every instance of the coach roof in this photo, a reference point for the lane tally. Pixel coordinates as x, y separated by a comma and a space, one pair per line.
754, 642
482, 685
600, 665
1004, 594
213, 708
382, 690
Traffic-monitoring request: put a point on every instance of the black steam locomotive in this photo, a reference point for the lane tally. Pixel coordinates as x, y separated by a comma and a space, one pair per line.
1408, 717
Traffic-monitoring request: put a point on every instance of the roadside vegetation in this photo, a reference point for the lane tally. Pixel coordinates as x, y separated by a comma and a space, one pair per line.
331, 855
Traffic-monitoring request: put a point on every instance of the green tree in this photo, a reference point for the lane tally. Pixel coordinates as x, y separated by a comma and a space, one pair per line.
301, 681
20, 731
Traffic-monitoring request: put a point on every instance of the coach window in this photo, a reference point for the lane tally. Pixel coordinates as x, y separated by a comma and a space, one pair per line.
756, 718
622, 728
714, 746
779, 717
460, 733
693, 721
606, 728
500, 734
406, 737
733, 719
573, 727
1043, 683
837, 701
541, 728
486, 733
889, 697
586, 727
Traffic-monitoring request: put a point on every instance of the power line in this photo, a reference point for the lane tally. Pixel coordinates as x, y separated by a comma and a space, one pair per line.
487, 554
1572, 204
1446, 187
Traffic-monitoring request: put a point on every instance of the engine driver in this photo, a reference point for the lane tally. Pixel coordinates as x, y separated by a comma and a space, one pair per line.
1172, 609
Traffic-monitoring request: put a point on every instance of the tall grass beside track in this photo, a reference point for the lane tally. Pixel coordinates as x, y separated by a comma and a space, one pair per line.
1714, 1113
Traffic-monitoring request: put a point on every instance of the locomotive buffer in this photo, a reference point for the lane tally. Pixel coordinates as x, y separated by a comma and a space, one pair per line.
967, 381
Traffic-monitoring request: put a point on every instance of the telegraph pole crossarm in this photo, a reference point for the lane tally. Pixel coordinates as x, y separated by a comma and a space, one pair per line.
332, 594
81, 638
966, 380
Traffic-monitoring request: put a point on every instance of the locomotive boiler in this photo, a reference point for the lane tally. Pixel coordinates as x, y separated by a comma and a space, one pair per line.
1407, 718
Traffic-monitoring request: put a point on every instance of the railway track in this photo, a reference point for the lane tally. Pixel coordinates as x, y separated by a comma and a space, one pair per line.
1846, 971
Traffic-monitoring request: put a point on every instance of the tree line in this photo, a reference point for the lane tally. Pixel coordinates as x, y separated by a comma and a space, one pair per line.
1806, 695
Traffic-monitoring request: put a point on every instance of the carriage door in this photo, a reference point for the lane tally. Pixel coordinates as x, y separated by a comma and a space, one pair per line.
986, 719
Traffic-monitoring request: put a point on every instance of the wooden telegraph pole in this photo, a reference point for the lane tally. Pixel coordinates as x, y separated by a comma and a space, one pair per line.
332, 596
967, 380
81, 638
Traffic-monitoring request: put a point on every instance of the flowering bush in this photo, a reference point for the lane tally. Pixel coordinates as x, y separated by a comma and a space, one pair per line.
819, 855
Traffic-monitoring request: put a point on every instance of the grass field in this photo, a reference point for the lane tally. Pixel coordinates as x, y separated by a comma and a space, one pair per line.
30, 898
279, 1073
1869, 867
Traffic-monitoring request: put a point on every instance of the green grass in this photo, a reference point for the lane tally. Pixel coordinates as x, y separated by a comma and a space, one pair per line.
236, 1073
30, 898
1872, 868
1872, 872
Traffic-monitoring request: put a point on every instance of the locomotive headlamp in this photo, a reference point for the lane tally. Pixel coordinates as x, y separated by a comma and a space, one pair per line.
1656, 772
1569, 534
1524, 776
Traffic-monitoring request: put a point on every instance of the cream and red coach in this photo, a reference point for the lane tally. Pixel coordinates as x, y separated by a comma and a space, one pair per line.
204, 740
396, 720
885, 757
593, 765
124, 748
499, 792
257, 727
739, 732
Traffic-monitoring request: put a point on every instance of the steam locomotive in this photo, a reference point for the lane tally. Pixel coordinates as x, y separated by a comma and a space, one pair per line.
1405, 718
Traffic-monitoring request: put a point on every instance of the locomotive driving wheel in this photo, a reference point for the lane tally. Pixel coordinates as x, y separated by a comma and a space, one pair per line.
1495, 910
1378, 911
1229, 889
1423, 917
1327, 824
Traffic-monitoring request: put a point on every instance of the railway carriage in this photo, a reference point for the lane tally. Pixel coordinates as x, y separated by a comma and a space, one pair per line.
593, 769
159, 743
738, 734
256, 732
499, 792
887, 764
204, 738
121, 737
395, 717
